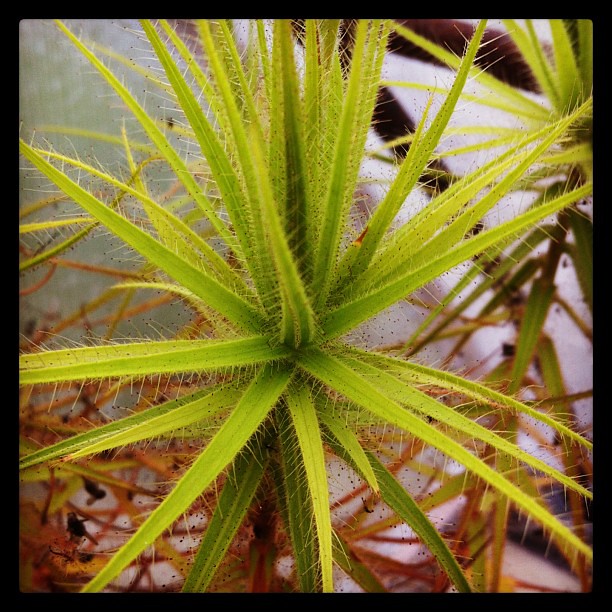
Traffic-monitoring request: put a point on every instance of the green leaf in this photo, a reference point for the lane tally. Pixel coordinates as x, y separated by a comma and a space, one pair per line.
450, 217
582, 253
532, 321
355, 568
242, 482
56, 250
533, 53
157, 137
585, 53
253, 407
352, 130
298, 325
204, 286
211, 146
343, 379
419, 374
352, 313
145, 359
412, 167
190, 246
568, 77
149, 423
323, 101
552, 375
240, 137
398, 499
296, 206
419, 401
520, 277
349, 443
521, 104
306, 424
494, 277
26, 228
298, 512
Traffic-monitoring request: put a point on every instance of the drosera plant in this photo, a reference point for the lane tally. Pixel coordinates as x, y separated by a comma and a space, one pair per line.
264, 242
524, 285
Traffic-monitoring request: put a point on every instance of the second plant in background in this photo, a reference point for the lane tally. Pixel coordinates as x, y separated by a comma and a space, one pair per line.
262, 241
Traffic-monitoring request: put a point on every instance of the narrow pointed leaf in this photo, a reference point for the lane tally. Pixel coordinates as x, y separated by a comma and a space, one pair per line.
348, 441
351, 314
342, 378
454, 205
420, 402
149, 423
582, 253
323, 98
313, 115
240, 137
298, 324
568, 77
355, 568
211, 146
420, 374
414, 163
522, 104
534, 55
296, 207
354, 122
145, 359
424, 225
56, 250
204, 286
242, 482
536, 309
398, 499
191, 246
242, 423
493, 276
305, 422
157, 137
293, 490
585, 53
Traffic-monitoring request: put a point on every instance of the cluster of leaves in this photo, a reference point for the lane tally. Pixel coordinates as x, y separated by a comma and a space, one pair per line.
263, 241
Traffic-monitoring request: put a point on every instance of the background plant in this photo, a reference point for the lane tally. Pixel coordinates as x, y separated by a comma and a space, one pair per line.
262, 239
